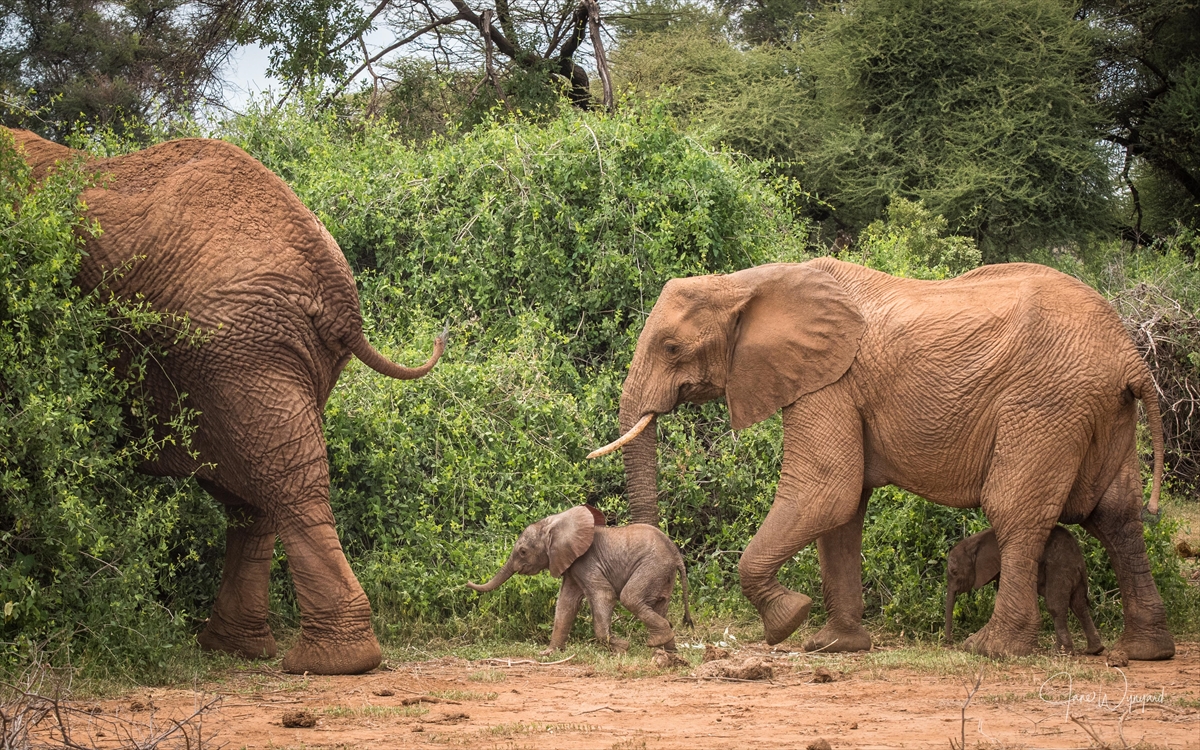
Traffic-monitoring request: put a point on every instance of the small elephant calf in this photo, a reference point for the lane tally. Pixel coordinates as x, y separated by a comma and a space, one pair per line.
1062, 581
633, 564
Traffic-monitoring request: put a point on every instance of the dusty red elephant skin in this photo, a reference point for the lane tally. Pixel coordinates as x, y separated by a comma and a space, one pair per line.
1013, 388
198, 227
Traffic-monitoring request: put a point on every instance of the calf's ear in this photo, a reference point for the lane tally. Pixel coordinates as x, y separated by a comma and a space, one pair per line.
568, 535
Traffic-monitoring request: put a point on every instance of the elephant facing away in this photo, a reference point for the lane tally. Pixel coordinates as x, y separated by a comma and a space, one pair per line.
1062, 582
198, 227
634, 564
1012, 387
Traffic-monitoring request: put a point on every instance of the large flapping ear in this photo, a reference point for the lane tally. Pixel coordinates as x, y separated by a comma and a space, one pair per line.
797, 331
987, 560
568, 535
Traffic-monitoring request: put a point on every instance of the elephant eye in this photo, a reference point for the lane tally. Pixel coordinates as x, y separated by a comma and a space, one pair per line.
672, 349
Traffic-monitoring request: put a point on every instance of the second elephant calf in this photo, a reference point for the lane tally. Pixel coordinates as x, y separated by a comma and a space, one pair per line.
1062, 581
634, 564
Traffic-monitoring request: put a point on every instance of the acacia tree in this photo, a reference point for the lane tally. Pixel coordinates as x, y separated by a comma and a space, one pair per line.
327, 39
984, 110
65, 63
1150, 63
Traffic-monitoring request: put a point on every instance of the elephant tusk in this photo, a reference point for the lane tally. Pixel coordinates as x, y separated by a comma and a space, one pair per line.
633, 432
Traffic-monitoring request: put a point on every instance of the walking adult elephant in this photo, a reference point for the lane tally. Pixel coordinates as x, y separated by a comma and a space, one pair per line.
1012, 387
198, 227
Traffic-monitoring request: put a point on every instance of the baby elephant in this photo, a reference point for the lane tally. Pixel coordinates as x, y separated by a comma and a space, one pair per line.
1062, 581
632, 564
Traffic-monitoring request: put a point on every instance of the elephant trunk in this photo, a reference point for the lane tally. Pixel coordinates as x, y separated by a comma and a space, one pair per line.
501, 576
641, 463
951, 595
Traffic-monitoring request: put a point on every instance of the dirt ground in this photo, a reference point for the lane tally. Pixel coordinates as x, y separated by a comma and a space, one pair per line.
888, 698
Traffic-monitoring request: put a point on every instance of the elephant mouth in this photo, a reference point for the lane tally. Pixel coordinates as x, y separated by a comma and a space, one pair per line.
628, 436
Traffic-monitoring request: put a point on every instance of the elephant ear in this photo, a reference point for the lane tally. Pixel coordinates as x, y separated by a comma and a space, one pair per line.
797, 332
987, 560
568, 535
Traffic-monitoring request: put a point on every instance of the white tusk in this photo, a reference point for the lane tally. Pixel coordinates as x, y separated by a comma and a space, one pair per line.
633, 432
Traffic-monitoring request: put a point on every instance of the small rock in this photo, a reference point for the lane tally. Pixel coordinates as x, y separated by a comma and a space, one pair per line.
820, 743
453, 718
712, 653
664, 659
1184, 549
137, 706
854, 725
821, 674
418, 728
299, 719
383, 692
1116, 658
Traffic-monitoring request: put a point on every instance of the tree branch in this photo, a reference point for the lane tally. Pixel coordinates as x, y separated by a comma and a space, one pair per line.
396, 45
598, 48
502, 42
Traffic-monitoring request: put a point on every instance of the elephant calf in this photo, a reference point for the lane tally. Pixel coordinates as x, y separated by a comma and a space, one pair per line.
632, 564
1062, 581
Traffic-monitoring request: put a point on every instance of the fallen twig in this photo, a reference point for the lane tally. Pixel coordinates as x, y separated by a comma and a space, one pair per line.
601, 708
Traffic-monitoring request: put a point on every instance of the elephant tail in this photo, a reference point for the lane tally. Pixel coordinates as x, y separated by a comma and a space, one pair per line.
1145, 389
683, 584
371, 357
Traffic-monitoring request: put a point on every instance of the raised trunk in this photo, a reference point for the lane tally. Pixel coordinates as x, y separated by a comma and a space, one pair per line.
641, 463
501, 576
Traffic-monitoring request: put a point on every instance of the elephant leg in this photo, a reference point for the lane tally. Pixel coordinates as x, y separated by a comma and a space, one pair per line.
643, 596
1117, 523
840, 552
238, 623
1023, 496
1058, 598
566, 609
274, 456
820, 488
1079, 605
602, 599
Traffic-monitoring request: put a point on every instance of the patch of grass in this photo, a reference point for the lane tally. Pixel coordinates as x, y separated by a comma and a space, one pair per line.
349, 712
533, 727
487, 675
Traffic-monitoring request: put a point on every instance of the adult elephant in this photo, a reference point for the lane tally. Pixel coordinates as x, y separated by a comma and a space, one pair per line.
1012, 387
198, 227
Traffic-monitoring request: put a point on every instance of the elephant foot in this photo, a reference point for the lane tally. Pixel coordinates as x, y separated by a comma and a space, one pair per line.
840, 638
990, 643
1094, 650
618, 645
1149, 645
782, 615
333, 657
253, 643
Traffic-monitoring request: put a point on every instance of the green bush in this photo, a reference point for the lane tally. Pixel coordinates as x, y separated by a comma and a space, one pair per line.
98, 564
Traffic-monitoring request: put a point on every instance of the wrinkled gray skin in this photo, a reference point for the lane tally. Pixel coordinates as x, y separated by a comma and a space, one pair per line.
633, 564
1062, 581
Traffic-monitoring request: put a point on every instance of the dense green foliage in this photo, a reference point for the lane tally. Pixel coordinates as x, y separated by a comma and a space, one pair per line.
983, 110
100, 564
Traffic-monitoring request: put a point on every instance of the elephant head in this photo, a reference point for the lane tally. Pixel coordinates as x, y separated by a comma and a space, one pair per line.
552, 543
761, 338
973, 563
